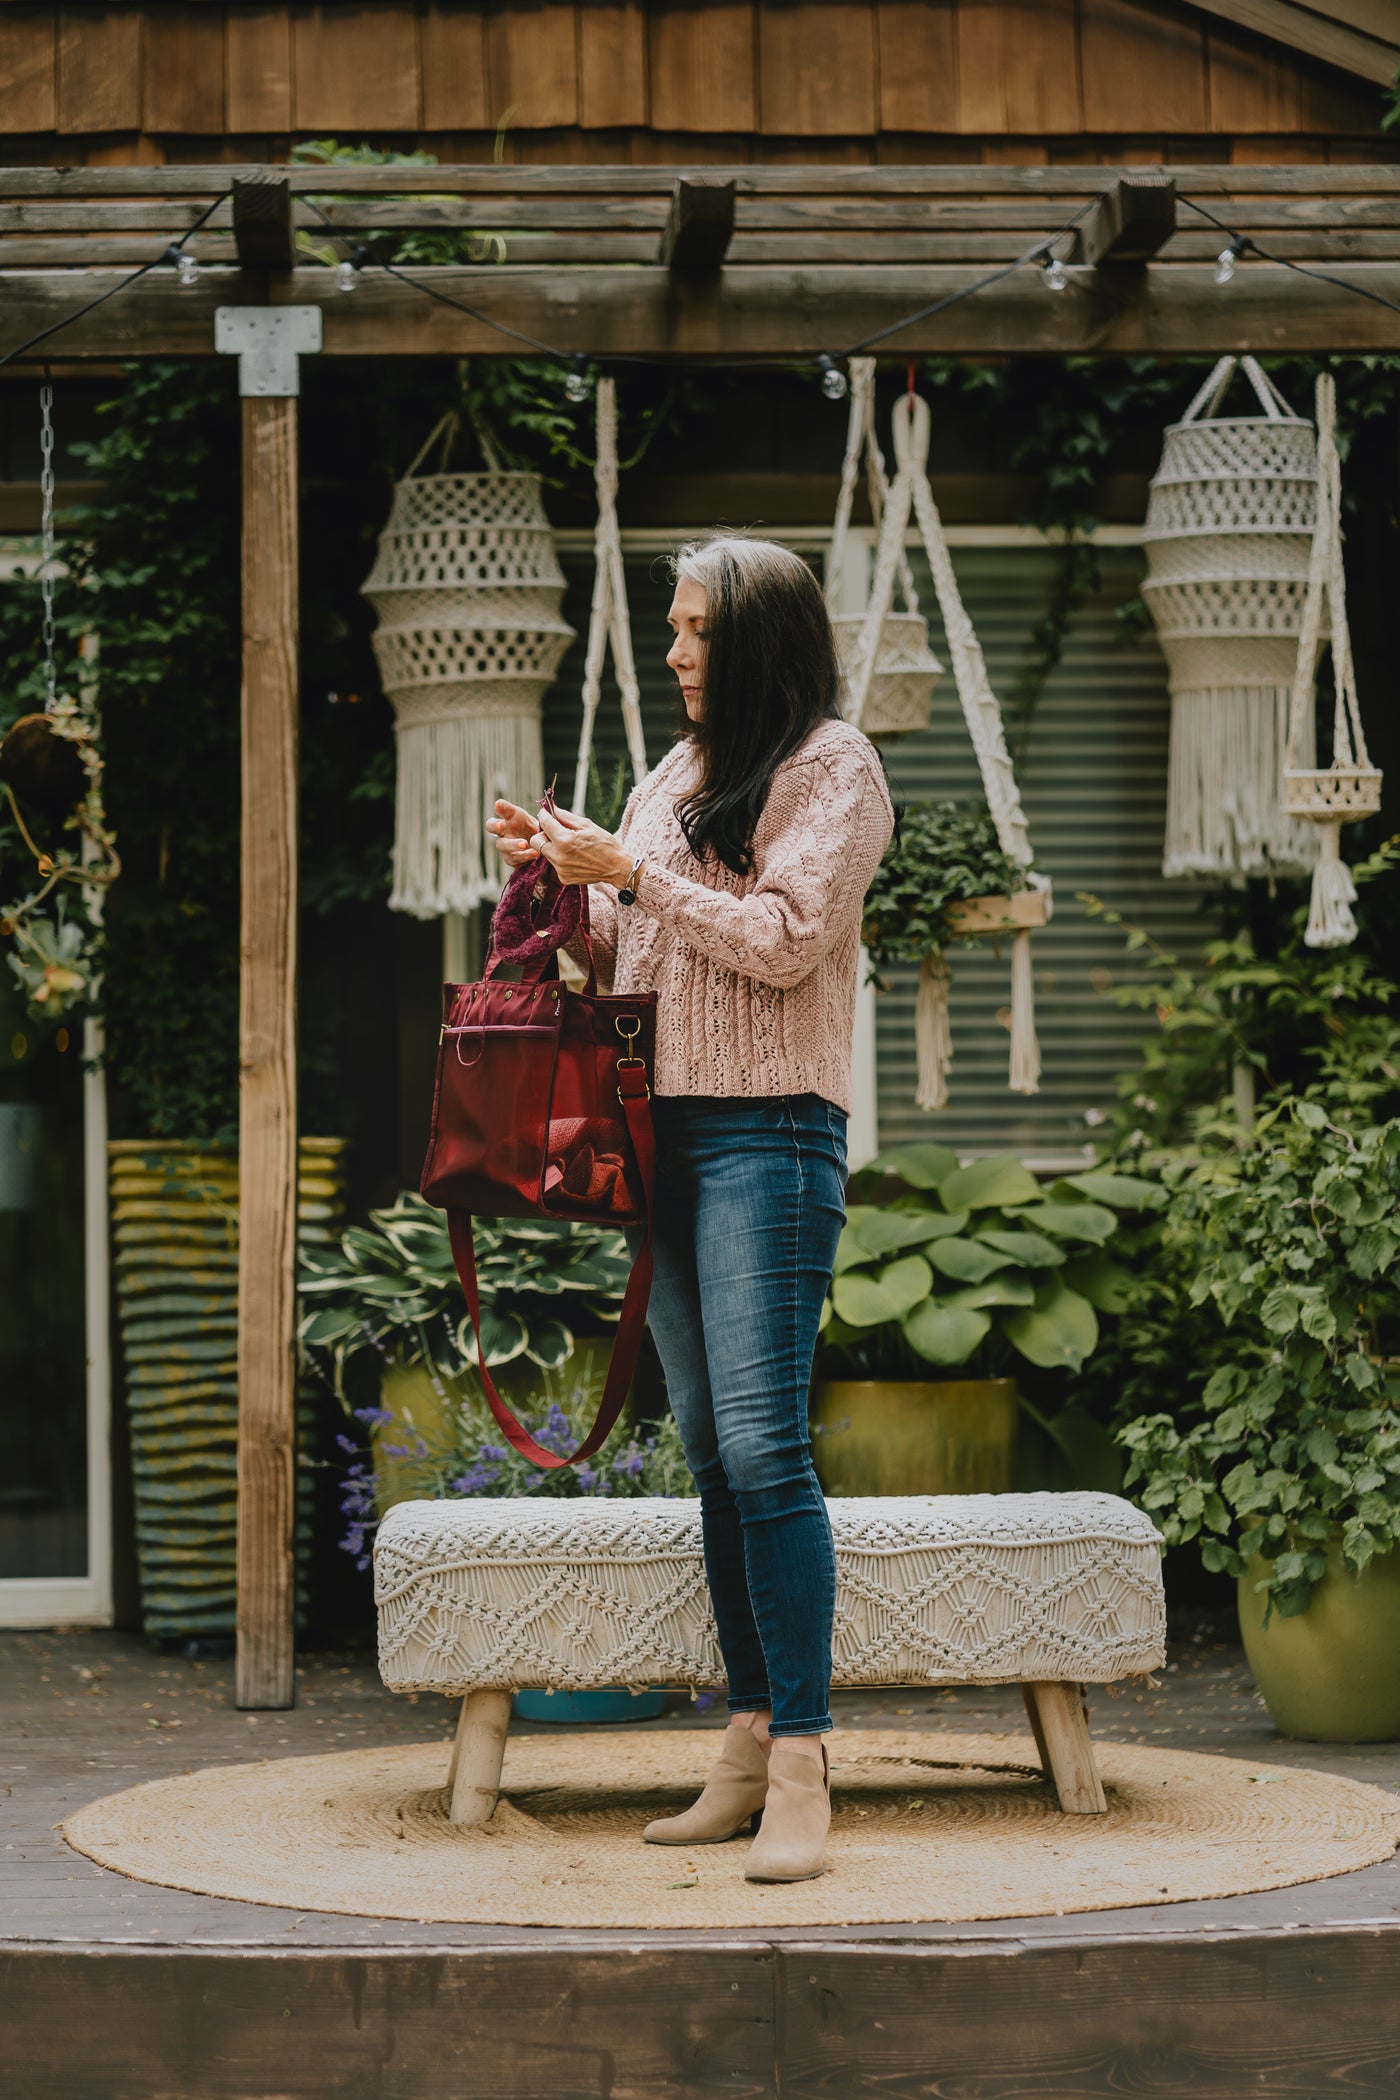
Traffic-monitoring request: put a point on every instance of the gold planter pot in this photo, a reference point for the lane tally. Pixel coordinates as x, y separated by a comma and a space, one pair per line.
947, 1436
1331, 1675
425, 1407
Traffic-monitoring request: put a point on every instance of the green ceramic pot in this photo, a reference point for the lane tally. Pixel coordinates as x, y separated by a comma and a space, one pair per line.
1332, 1675
949, 1436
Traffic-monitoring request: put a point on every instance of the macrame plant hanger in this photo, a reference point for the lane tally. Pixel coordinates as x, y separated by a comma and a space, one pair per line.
608, 619
1350, 788
910, 491
1228, 537
901, 684
467, 586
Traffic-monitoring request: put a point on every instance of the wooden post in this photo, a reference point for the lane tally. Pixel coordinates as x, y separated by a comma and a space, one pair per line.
474, 1776
267, 1154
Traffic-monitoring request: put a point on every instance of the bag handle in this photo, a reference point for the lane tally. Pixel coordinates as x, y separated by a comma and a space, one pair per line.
636, 1106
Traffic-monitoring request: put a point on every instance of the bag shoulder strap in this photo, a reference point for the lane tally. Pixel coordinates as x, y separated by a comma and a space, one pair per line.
627, 1342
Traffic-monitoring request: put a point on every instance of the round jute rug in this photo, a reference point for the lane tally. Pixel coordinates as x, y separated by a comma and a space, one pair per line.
926, 1828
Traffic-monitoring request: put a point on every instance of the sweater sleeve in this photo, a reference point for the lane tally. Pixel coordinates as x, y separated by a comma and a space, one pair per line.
820, 840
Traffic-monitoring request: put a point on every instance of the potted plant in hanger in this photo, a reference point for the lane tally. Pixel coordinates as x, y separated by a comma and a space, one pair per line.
946, 879
939, 1292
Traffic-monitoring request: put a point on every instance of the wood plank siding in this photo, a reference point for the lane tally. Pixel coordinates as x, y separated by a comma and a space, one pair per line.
664, 81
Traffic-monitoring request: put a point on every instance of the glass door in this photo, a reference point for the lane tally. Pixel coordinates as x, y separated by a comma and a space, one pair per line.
54, 1371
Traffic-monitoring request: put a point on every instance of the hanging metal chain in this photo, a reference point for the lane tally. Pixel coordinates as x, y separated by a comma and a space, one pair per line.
46, 575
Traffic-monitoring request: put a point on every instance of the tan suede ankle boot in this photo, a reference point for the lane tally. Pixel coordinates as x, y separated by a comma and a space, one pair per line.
734, 1795
791, 1843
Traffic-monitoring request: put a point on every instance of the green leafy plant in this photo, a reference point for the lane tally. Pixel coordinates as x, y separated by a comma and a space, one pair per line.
946, 853
1285, 1441
967, 1269
1285, 1020
390, 1291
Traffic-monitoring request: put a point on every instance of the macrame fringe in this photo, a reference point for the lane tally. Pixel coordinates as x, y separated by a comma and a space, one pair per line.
1330, 920
933, 1034
1024, 1076
450, 772
1224, 807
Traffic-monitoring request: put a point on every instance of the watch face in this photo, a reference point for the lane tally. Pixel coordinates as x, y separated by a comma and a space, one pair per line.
626, 896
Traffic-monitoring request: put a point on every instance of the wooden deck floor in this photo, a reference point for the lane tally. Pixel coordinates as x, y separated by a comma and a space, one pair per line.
114, 1989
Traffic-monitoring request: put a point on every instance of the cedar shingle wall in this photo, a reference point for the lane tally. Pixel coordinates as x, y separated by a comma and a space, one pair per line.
666, 80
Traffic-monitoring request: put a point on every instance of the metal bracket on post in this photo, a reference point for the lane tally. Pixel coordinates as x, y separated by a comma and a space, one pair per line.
269, 343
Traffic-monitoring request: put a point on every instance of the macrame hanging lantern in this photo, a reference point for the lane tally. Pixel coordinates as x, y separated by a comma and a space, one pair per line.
467, 586
905, 670
910, 493
1228, 537
608, 621
1350, 788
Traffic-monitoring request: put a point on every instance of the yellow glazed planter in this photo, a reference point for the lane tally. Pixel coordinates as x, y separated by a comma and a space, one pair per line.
1331, 1675
948, 1436
418, 1407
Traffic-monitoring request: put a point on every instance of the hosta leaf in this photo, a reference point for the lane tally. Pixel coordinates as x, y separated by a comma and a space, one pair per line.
1031, 1249
885, 1230
945, 1334
332, 1325
849, 1251
864, 1301
1106, 1284
550, 1344
1060, 1328
923, 1165
989, 1183
503, 1336
1010, 1288
369, 1248
1124, 1191
966, 1261
1074, 1221
419, 1242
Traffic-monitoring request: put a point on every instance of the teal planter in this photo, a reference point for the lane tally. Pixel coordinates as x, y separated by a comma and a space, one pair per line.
614, 1703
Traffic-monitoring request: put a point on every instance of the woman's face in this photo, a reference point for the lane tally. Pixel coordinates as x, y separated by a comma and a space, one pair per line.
686, 655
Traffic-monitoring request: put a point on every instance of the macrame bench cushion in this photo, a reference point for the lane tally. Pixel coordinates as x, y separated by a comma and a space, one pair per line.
946, 1589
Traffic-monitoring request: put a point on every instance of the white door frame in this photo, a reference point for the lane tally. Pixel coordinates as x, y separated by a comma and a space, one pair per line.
81, 1600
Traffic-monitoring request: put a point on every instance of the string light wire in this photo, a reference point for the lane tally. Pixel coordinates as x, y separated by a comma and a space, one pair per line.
112, 290
1244, 244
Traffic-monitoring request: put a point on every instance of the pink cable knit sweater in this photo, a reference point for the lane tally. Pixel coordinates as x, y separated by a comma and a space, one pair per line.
756, 974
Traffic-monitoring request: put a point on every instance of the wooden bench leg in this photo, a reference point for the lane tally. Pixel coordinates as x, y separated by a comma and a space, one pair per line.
1066, 1754
474, 1775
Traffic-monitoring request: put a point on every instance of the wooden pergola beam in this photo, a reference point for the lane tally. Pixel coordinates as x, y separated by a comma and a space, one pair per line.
262, 223
1162, 309
483, 179
1130, 223
699, 226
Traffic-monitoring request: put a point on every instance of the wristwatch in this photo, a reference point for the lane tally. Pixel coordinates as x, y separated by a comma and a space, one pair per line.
628, 893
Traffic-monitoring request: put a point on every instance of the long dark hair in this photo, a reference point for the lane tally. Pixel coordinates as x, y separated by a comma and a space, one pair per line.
770, 675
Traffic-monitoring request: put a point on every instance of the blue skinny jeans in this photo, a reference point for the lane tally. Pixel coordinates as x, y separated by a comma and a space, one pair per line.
749, 1206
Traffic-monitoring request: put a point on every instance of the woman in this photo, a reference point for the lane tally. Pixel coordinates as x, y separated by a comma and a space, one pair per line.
734, 889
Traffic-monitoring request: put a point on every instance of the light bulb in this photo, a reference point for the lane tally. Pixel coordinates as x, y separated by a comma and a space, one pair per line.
575, 387
1056, 275
346, 277
834, 384
187, 269
1225, 265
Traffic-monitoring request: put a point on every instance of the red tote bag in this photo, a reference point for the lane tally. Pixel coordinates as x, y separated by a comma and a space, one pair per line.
542, 1108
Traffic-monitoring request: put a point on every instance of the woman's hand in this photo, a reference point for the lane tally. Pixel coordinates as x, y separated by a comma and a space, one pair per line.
578, 850
513, 828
